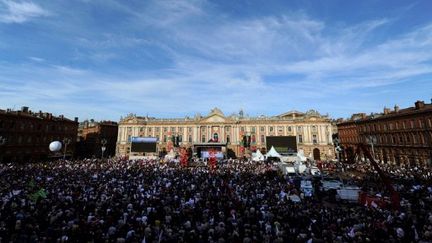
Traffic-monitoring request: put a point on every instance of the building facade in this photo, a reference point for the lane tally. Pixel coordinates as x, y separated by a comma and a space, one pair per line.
313, 131
93, 136
26, 135
399, 136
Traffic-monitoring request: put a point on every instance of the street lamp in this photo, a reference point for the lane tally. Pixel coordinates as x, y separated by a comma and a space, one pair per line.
371, 140
103, 148
66, 141
336, 143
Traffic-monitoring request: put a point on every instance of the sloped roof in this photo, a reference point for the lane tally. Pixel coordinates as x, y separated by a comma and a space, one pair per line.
273, 153
290, 113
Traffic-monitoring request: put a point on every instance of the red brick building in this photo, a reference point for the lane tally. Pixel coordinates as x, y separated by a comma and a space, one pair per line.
92, 134
400, 136
26, 135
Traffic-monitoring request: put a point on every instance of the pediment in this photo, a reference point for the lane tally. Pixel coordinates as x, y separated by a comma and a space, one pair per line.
214, 119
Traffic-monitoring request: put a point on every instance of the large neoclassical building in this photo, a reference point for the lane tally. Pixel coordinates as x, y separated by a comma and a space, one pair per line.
312, 130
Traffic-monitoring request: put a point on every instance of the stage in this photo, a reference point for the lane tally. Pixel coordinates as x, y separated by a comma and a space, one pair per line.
204, 150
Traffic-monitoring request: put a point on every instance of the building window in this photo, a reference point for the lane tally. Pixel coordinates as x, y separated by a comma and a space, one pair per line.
280, 129
300, 138
180, 138
215, 137
141, 129
203, 139
299, 129
165, 138
262, 129
412, 124
129, 129
180, 129
129, 138
157, 129
190, 139
242, 129
157, 138
172, 129
271, 129
314, 128
289, 129
314, 139
227, 129
189, 129
253, 129
228, 138
262, 139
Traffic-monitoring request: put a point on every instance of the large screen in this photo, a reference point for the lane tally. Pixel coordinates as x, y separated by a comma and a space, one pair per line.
282, 144
206, 154
143, 144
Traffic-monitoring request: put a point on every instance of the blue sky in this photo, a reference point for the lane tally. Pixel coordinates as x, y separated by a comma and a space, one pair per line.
104, 59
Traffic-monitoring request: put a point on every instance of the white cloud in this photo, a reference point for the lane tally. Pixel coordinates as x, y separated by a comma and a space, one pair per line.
36, 59
219, 61
20, 11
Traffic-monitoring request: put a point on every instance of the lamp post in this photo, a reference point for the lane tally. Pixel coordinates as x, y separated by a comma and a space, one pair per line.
336, 143
103, 148
371, 140
66, 141
2, 143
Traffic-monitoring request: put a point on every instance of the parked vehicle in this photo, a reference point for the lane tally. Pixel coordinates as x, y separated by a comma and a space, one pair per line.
307, 188
331, 183
348, 193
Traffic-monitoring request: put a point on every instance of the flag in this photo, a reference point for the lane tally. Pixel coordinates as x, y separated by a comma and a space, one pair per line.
37, 195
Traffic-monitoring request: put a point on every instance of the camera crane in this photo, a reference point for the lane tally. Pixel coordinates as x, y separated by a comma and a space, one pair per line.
352, 155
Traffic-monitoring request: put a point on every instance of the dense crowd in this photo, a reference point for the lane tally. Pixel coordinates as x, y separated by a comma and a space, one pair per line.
149, 201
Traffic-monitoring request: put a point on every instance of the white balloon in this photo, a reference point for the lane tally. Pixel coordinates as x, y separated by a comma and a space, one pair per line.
55, 146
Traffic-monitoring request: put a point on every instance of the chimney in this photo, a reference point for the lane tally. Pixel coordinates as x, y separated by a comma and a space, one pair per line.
24, 109
386, 111
76, 119
396, 108
61, 117
419, 104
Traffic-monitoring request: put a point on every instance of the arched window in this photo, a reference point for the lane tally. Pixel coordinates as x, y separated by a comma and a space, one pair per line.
215, 137
203, 139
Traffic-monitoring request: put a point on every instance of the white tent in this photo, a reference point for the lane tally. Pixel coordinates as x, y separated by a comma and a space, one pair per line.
301, 156
258, 156
170, 155
273, 153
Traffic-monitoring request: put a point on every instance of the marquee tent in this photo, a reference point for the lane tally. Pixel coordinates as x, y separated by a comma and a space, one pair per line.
258, 156
272, 153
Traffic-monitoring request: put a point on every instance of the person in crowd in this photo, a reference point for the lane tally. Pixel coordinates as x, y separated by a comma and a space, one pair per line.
118, 200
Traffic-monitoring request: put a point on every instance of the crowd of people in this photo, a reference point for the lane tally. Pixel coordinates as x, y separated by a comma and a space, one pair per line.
238, 201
